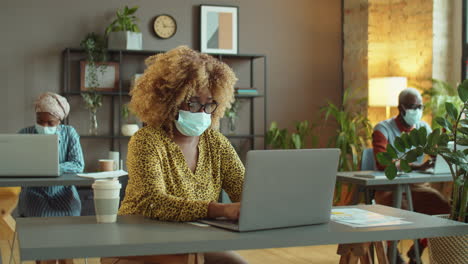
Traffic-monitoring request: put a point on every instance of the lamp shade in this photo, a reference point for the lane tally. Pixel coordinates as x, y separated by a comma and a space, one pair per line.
384, 91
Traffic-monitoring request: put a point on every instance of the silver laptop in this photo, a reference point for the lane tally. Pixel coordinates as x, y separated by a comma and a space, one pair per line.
284, 188
440, 165
28, 155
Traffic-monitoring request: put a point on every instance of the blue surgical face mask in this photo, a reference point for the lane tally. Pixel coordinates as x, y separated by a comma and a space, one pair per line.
46, 130
192, 124
412, 116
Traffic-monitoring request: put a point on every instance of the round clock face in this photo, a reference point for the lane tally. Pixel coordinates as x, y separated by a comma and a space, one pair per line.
164, 26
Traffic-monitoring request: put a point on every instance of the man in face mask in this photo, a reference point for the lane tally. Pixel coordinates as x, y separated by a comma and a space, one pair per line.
426, 199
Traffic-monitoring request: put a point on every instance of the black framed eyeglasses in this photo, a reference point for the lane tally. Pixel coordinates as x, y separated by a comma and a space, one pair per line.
208, 108
413, 106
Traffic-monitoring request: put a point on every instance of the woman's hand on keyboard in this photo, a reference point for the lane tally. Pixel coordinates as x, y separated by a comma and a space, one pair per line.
230, 211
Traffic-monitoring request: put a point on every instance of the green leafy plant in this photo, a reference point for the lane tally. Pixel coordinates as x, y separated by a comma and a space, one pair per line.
353, 132
93, 100
126, 113
125, 21
94, 47
282, 139
231, 114
435, 98
410, 146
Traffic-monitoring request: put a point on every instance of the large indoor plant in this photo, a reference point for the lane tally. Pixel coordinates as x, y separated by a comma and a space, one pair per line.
406, 149
123, 32
352, 136
435, 98
278, 138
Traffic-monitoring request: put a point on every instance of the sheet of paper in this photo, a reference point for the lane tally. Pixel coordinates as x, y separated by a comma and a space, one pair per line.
104, 174
361, 218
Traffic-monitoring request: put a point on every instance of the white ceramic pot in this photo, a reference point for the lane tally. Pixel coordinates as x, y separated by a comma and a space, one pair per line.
129, 129
125, 40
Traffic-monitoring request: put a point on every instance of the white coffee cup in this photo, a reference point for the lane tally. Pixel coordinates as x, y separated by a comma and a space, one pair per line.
115, 155
106, 199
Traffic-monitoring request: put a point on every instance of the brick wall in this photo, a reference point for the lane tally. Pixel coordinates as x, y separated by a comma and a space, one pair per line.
355, 31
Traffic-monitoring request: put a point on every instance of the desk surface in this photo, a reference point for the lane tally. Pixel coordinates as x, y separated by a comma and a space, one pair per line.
414, 177
63, 180
77, 237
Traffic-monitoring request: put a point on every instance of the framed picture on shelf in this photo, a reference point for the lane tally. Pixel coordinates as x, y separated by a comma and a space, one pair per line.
104, 76
219, 29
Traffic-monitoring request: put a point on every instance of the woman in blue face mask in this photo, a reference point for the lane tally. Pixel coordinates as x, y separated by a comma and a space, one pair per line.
179, 162
51, 109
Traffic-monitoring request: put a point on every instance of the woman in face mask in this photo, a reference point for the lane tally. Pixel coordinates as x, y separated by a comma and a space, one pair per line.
51, 109
179, 163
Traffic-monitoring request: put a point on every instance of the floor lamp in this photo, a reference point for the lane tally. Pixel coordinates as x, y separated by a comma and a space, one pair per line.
384, 92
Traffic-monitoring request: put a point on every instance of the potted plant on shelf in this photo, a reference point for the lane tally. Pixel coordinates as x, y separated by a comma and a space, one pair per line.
448, 142
231, 115
123, 32
94, 47
129, 128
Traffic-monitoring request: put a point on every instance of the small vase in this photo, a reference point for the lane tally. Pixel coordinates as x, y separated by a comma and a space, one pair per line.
93, 124
231, 125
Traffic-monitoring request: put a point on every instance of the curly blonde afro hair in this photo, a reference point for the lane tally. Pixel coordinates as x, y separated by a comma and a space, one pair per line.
171, 78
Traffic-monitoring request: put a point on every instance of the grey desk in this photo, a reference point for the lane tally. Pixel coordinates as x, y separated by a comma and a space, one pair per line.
62, 180
78, 237
399, 185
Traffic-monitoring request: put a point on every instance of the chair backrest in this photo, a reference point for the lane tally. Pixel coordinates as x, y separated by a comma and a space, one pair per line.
368, 161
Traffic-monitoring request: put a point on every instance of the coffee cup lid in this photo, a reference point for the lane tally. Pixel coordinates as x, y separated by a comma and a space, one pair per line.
107, 183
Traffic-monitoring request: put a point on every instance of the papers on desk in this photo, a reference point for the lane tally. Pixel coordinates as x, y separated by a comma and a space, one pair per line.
355, 217
104, 174
376, 174
370, 174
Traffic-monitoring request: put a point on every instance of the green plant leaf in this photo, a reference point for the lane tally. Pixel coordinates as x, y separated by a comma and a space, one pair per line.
451, 110
404, 165
406, 138
436, 135
462, 141
412, 155
296, 140
430, 140
443, 140
391, 171
463, 130
443, 123
399, 144
132, 10
414, 137
422, 136
384, 158
391, 151
463, 91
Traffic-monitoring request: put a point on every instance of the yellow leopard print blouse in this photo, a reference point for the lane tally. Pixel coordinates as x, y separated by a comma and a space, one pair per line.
162, 186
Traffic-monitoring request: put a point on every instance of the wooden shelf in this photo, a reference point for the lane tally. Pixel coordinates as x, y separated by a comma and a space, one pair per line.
102, 137
101, 93
125, 137
152, 52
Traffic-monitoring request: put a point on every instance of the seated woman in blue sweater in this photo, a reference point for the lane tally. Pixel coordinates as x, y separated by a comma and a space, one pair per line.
51, 109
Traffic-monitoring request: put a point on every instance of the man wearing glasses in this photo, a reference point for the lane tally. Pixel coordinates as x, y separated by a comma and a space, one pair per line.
426, 199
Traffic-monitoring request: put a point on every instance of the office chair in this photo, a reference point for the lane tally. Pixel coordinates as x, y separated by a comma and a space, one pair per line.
368, 160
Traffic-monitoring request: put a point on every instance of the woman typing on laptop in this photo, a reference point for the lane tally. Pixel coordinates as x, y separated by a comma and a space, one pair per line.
179, 163
51, 109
